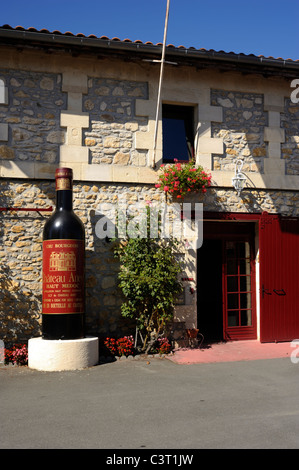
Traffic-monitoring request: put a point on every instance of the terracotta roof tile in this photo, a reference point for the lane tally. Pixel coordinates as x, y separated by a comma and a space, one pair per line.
138, 41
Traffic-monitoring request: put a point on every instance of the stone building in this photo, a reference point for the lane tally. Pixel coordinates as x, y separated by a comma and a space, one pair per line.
90, 103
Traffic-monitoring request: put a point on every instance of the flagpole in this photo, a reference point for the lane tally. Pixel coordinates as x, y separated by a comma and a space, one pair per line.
160, 84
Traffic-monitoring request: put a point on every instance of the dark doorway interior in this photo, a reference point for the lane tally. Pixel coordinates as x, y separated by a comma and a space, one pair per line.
209, 290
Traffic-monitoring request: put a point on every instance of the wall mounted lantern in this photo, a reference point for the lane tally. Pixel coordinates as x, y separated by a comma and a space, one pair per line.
239, 179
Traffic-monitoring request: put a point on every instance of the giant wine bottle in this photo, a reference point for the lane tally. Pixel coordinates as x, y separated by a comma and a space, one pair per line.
63, 302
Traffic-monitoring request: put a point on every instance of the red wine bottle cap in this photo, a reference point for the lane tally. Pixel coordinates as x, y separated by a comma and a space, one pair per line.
64, 178
64, 173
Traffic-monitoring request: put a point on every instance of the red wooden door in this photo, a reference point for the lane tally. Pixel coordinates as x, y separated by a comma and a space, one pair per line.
279, 278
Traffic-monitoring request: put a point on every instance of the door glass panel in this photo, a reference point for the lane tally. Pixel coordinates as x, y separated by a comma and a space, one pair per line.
246, 318
232, 318
244, 266
232, 284
232, 301
244, 250
232, 266
245, 300
245, 283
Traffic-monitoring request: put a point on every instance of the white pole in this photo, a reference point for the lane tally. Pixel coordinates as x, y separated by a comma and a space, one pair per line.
160, 84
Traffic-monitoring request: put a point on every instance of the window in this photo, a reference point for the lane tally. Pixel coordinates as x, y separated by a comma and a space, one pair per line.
178, 132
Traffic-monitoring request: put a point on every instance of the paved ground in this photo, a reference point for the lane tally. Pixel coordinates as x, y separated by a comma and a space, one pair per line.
236, 351
153, 404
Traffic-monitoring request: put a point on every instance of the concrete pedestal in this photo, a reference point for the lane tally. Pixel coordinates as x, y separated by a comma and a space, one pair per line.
57, 355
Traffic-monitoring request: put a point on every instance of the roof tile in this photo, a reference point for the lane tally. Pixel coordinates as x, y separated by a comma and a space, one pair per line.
138, 41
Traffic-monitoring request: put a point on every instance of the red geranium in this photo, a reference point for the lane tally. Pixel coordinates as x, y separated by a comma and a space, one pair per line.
179, 179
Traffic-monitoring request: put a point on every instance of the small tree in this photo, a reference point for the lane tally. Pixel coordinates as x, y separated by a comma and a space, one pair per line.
149, 281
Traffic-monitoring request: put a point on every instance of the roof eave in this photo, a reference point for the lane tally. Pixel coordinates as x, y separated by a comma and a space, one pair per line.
180, 55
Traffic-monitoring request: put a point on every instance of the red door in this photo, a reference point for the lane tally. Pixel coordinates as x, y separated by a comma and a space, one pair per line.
279, 278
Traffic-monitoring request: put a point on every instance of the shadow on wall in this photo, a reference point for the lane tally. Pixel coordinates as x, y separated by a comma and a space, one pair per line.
103, 296
21, 262
19, 310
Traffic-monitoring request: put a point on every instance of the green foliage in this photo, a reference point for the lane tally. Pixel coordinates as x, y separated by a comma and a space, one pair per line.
149, 281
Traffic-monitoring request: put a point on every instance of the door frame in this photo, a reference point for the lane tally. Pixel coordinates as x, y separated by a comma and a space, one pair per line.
263, 219
246, 332
238, 333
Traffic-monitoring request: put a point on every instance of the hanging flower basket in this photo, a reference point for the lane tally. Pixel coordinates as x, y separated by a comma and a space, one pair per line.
177, 179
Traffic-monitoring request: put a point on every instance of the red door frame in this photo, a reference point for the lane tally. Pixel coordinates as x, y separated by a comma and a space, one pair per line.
231, 333
267, 317
245, 332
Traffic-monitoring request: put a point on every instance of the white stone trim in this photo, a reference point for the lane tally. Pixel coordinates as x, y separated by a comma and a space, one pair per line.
3, 132
210, 113
199, 97
274, 166
11, 169
142, 175
274, 150
69, 118
74, 101
205, 144
74, 81
146, 140
266, 181
74, 120
73, 153
274, 102
209, 145
274, 134
3, 93
3, 100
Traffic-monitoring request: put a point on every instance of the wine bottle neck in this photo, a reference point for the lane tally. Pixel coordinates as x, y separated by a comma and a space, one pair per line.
64, 200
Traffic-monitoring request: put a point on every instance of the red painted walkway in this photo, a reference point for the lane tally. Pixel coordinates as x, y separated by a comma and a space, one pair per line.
234, 351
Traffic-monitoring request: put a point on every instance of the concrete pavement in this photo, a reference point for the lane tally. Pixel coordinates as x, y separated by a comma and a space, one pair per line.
152, 404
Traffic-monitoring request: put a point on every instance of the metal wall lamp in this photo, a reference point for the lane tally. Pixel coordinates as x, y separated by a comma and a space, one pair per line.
239, 179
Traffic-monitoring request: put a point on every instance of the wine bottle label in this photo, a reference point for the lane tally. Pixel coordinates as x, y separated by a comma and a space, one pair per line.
63, 277
63, 184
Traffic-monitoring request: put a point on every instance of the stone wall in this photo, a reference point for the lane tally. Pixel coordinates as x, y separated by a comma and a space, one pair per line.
21, 256
32, 114
21, 248
111, 107
116, 118
290, 148
242, 130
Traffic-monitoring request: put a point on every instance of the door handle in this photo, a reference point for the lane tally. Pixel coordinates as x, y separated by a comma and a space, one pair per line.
279, 291
265, 291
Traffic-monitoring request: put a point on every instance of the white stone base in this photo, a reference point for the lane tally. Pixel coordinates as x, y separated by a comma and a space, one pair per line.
57, 355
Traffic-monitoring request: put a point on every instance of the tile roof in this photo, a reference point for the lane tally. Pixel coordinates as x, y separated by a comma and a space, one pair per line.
148, 43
